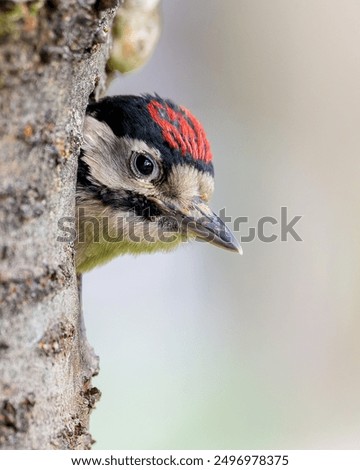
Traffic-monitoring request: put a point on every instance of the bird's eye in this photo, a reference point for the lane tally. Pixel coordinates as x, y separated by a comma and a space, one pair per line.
144, 164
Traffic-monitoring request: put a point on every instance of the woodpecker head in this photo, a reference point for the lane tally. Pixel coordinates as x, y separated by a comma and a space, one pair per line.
144, 180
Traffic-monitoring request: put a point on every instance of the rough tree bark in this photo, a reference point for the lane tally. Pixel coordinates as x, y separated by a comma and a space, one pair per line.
52, 55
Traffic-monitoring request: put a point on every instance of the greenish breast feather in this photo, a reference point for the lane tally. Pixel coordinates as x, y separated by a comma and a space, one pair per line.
90, 254
102, 236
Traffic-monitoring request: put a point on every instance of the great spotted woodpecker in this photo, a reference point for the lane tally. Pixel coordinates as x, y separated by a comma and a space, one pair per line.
145, 176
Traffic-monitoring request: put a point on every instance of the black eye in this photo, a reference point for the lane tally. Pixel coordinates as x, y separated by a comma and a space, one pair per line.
144, 164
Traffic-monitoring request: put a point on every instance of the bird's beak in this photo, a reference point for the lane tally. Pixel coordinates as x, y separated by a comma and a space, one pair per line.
200, 221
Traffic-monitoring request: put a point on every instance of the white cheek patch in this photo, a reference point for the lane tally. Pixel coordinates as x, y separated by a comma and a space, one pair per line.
100, 149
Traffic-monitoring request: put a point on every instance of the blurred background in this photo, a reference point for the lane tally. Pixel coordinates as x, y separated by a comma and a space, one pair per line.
204, 349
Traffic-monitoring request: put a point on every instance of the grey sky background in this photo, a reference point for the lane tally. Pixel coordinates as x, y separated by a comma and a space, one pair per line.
204, 349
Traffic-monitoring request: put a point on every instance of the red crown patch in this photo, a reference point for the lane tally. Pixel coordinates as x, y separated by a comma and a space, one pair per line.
181, 130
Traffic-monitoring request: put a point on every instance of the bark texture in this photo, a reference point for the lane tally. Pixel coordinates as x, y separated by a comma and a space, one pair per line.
52, 55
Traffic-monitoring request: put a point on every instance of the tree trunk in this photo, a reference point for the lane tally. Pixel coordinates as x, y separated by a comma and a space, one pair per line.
52, 55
